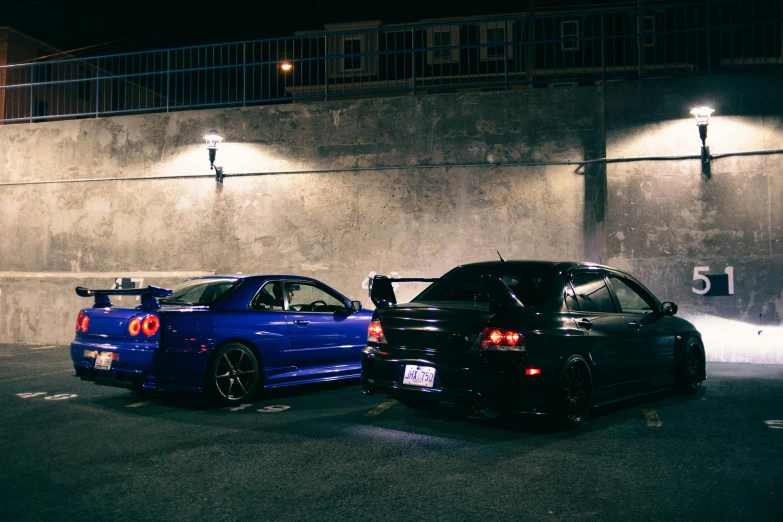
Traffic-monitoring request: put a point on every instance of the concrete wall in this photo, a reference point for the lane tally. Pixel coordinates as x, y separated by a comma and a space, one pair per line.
657, 219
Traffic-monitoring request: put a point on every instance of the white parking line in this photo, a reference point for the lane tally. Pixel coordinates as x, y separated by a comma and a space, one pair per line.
774, 424
43, 347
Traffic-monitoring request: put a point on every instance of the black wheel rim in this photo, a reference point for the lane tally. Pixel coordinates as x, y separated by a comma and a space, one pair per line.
235, 375
693, 362
576, 391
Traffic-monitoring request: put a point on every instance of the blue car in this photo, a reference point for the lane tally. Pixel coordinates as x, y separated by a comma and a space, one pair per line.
226, 336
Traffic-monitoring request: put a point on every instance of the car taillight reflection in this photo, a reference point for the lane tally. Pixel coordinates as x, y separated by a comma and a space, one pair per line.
501, 340
375, 333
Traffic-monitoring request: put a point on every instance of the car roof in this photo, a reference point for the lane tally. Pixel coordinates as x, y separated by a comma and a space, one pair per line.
519, 263
250, 277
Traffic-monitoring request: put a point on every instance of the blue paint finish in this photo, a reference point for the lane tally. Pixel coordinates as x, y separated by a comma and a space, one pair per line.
293, 347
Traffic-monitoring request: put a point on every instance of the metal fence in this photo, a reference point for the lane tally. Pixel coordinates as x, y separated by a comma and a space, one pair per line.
494, 53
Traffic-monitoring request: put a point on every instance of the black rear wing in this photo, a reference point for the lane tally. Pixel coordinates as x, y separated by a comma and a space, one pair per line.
148, 295
500, 295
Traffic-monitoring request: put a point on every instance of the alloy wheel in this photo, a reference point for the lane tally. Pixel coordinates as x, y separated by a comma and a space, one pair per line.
576, 388
235, 375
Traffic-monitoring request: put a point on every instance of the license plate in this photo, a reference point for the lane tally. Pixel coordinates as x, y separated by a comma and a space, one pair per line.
103, 360
419, 375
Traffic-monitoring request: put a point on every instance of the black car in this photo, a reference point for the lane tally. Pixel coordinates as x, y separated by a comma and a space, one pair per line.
538, 337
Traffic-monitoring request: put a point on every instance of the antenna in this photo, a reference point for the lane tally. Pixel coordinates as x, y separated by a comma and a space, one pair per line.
501, 257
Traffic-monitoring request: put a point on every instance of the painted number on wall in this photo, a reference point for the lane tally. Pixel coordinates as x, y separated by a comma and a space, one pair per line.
713, 284
124, 283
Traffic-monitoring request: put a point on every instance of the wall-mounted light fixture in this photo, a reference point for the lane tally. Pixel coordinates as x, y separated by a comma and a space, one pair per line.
286, 66
213, 139
702, 115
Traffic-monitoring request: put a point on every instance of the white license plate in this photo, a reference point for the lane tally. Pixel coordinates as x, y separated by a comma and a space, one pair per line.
419, 375
103, 361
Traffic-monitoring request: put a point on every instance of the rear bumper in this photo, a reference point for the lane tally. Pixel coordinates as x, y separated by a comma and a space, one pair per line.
134, 363
495, 381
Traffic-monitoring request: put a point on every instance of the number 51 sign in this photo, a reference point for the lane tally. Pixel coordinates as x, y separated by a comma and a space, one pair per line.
714, 284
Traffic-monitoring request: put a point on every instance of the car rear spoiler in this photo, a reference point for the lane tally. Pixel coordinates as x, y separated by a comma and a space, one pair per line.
500, 295
148, 295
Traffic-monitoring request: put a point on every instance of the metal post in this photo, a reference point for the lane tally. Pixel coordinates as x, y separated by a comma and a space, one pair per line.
244, 74
168, 79
639, 41
32, 80
530, 49
709, 50
326, 63
97, 85
413, 59
505, 48
603, 51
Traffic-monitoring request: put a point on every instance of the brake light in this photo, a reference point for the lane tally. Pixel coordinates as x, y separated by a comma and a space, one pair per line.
150, 325
501, 340
79, 321
134, 326
533, 371
85, 323
375, 333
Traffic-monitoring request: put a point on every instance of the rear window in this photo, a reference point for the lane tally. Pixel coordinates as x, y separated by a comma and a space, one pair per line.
530, 284
199, 292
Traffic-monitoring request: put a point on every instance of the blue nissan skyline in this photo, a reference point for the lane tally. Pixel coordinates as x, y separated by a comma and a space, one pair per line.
225, 336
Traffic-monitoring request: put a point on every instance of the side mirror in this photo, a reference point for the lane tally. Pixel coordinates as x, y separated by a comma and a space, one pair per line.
669, 308
356, 306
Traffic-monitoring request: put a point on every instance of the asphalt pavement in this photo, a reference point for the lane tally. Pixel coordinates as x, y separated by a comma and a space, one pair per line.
73, 450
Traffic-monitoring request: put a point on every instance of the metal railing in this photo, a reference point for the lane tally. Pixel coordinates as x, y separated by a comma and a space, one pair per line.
495, 53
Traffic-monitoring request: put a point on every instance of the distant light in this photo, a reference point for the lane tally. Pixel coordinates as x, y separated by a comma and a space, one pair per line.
286, 66
702, 115
533, 371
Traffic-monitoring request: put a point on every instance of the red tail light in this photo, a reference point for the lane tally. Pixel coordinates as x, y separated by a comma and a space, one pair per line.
150, 325
82, 322
85, 323
79, 322
134, 326
533, 371
502, 340
375, 333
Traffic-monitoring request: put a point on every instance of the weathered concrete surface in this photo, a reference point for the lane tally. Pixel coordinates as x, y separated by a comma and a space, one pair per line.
335, 227
659, 220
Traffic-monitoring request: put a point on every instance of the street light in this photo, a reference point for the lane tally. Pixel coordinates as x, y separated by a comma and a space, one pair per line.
286, 66
213, 139
702, 115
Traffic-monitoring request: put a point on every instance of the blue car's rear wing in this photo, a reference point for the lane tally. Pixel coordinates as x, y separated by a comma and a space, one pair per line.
148, 295
500, 295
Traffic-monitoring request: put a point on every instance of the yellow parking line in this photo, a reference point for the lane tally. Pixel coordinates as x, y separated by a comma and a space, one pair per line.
381, 408
34, 376
44, 347
137, 404
651, 416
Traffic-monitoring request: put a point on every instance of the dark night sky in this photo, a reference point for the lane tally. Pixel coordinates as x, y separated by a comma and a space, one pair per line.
116, 26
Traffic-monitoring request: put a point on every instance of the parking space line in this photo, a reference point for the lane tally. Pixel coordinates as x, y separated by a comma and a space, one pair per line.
137, 404
774, 424
34, 376
43, 347
381, 408
651, 416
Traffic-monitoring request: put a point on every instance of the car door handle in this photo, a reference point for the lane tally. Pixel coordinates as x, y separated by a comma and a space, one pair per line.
301, 324
634, 325
585, 323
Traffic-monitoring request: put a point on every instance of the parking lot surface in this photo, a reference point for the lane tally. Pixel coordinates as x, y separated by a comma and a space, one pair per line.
73, 450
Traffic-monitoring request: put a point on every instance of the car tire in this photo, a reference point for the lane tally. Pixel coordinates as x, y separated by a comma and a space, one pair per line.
572, 398
688, 376
232, 375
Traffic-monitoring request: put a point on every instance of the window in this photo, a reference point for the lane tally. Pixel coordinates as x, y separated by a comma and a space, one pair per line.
648, 26
309, 297
199, 292
443, 36
531, 285
441, 39
269, 297
632, 300
570, 298
496, 33
569, 31
352, 45
592, 295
